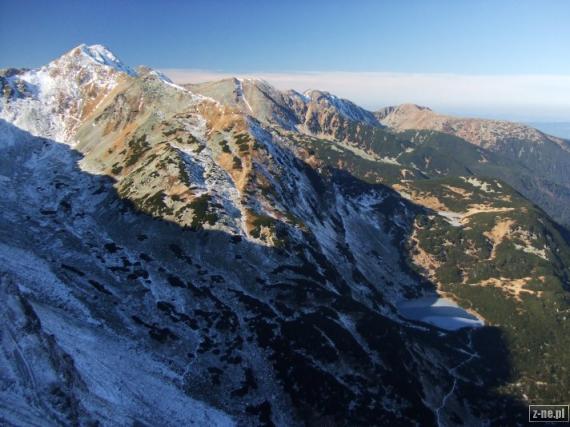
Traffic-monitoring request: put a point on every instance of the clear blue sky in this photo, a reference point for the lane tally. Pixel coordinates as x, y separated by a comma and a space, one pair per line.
474, 37
492, 58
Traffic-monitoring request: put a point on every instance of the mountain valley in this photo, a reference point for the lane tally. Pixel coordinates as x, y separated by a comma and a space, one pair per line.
226, 253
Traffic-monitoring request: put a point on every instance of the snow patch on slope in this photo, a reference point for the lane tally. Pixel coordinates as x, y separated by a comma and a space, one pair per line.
105, 361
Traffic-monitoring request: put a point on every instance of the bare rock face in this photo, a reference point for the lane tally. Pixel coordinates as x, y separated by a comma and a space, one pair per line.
313, 112
251, 97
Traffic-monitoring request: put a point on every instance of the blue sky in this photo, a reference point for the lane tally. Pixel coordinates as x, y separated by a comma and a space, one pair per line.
411, 37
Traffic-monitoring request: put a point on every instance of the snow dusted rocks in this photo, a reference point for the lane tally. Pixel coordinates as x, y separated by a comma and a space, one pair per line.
52, 101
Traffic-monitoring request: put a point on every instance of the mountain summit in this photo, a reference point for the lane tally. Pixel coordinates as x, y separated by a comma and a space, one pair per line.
101, 55
52, 100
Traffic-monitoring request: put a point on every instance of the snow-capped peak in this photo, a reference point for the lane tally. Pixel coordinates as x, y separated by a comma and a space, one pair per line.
101, 55
52, 100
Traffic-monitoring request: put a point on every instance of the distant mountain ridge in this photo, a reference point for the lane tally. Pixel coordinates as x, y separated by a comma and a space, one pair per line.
541, 168
486, 133
312, 111
542, 174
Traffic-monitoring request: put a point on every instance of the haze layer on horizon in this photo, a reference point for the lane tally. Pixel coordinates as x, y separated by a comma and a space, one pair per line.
543, 98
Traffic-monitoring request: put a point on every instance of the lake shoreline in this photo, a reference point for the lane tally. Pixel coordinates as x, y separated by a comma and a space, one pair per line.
438, 311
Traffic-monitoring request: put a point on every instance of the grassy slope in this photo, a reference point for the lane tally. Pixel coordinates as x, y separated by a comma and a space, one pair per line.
535, 324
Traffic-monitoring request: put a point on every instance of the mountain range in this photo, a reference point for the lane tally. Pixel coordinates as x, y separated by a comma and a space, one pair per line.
226, 253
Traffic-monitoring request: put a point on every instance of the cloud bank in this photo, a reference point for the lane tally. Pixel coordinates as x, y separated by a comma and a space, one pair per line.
513, 97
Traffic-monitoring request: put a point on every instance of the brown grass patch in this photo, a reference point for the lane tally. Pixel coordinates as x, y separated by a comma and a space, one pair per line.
457, 190
422, 259
499, 232
512, 287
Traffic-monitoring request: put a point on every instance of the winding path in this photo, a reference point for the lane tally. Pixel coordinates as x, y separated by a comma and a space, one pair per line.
453, 371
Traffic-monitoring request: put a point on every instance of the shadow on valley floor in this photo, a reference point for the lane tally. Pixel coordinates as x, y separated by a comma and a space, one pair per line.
267, 335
